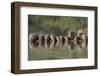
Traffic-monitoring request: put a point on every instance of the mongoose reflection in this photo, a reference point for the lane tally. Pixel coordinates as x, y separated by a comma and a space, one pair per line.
70, 40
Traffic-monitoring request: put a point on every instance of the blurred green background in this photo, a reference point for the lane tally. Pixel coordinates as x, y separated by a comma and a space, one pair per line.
59, 25
56, 24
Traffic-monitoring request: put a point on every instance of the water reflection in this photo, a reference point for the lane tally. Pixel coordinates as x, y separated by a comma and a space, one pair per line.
70, 44
53, 47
